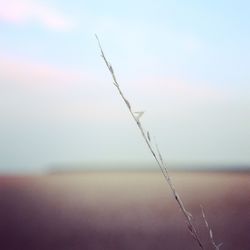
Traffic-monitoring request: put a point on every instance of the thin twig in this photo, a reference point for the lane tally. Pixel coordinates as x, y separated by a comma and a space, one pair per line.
157, 155
210, 232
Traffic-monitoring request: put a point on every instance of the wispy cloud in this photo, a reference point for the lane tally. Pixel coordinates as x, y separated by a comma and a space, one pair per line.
27, 72
178, 90
28, 11
70, 94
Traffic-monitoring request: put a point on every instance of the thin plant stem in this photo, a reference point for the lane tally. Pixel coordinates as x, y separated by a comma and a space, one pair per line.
210, 232
156, 154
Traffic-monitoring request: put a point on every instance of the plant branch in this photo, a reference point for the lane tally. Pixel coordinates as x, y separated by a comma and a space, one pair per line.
210, 232
157, 155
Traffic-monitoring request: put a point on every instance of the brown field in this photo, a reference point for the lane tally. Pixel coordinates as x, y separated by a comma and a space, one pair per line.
122, 210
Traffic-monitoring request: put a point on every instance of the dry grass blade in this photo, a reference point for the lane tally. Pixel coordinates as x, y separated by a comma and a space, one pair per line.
157, 155
210, 232
148, 135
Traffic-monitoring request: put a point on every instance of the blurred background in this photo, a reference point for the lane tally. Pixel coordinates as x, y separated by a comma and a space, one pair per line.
66, 134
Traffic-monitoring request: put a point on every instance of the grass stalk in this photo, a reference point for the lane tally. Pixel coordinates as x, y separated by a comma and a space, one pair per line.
210, 232
156, 153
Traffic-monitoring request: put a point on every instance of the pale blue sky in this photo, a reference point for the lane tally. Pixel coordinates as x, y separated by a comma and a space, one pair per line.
186, 63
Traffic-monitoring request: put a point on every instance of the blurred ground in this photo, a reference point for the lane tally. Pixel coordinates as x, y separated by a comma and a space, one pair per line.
122, 210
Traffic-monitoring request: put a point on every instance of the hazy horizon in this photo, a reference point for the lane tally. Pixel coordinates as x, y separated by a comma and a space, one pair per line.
121, 167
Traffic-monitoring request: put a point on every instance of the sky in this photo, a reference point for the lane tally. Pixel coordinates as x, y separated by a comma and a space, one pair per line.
184, 63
